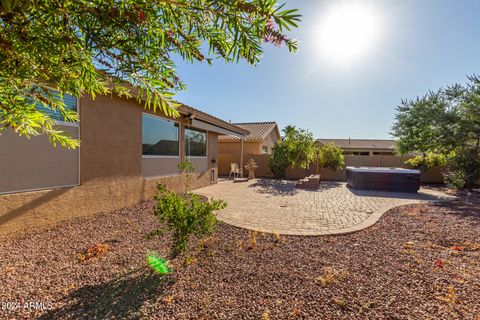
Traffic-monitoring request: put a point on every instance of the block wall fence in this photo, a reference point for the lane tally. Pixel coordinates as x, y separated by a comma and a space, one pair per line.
432, 175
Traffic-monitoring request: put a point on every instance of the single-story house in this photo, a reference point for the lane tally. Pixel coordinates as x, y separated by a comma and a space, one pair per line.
260, 141
125, 150
363, 147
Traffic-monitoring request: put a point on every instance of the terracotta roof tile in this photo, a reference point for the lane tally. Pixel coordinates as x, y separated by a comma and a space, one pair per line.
258, 131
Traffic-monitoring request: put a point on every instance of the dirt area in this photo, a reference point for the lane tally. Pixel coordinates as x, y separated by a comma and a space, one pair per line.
417, 262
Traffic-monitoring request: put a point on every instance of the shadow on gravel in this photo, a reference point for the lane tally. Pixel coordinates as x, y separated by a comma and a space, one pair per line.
463, 209
120, 298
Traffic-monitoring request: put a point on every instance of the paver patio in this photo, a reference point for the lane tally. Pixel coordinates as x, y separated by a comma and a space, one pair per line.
276, 206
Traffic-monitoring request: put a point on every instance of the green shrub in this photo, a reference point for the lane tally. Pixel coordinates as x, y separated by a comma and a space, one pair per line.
279, 161
330, 156
428, 160
186, 168
185, 214
463, 169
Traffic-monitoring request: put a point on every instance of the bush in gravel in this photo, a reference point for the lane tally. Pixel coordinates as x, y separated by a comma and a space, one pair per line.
185, 214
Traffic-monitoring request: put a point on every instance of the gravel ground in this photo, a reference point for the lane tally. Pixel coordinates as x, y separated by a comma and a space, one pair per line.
417, 262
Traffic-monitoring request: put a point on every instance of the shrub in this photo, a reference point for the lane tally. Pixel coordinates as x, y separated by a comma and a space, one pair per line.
427, 160
330, 156
186, 168
185, 214
463, 169
279, 162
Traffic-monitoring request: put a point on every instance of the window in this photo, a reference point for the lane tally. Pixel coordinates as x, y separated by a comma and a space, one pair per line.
70, 104
264, 149
159, 136
195, 143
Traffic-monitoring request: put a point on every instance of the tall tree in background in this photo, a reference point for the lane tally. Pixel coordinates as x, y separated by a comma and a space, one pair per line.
125, 47
444, 125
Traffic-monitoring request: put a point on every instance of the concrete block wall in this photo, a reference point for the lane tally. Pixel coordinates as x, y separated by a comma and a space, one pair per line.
432, 175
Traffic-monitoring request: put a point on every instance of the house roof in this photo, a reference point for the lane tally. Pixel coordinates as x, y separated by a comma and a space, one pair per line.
361, 143
258, 131
186, 110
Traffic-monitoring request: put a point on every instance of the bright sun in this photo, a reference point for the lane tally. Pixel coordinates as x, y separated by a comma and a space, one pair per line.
348, 31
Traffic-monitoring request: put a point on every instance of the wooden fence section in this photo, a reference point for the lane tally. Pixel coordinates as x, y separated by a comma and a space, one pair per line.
432, 175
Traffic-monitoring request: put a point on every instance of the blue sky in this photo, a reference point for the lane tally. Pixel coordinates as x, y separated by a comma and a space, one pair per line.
423, 44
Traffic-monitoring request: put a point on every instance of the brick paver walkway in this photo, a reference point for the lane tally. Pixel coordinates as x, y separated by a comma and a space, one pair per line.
277, 206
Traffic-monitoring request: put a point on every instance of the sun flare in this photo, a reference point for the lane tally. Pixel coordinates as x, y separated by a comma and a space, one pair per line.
348, 31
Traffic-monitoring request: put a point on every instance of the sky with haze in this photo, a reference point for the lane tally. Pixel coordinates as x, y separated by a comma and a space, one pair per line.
421, 45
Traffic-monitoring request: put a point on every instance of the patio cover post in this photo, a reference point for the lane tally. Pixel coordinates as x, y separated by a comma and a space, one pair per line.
241, 158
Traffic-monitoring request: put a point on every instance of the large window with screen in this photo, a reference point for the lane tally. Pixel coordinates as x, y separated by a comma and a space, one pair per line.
195, 143
159, 136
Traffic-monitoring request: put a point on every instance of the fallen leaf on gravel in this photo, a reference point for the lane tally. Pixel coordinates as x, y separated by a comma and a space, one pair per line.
409, 245
440, 263
168, 300
297, 312
341, 303
94, 251
457, 248
265, 314
8, 269
331, 275
458, 278
450, 297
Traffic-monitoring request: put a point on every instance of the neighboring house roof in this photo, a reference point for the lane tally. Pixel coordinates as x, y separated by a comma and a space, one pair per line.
258, 131
361, 143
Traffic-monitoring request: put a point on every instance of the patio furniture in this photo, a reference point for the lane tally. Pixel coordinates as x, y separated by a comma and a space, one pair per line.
250, 166
384, 179
235, 171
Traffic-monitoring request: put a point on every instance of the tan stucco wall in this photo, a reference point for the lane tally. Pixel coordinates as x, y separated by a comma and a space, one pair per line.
111, 138
230, 152
111, 171
159, 166
235, 147
270, 141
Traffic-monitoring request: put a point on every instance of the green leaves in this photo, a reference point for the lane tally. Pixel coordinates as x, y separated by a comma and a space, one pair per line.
126, 47
444, 126
300, 145
185, 214
297, 149
330, 156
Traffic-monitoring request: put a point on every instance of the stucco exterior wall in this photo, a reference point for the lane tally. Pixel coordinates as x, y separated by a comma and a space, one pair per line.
111, 174
159, 166
235, 147
270, 141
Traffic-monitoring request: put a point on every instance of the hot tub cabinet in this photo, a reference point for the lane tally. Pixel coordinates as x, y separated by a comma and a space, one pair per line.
384, 179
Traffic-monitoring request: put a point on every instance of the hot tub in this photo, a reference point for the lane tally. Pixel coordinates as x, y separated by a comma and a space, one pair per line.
384, 179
